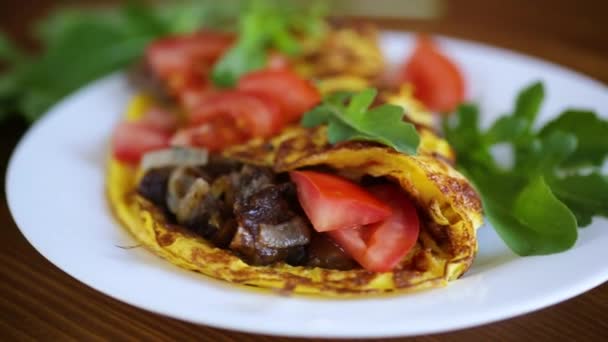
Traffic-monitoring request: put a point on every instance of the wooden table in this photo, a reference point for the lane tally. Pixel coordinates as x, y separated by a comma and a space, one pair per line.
39, 301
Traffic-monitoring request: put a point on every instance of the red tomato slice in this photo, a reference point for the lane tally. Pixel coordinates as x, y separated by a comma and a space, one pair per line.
379, 247
250, 112
187, 53
437, 81
192, 80
214, 135
226, 118
294, 94
192, 97
276, 121
159, 119
132, 140
332, 202
184, 62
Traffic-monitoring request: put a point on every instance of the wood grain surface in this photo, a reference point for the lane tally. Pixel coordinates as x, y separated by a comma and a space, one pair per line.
40, 302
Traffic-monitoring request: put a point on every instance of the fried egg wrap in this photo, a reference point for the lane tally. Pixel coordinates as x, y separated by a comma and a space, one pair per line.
449, 210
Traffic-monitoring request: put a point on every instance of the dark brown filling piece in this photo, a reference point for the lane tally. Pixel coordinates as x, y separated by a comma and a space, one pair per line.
249, 210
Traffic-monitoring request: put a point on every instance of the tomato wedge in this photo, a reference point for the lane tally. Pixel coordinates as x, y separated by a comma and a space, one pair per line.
191, 98
437, 81
225, 118
131, 140
294, 94
379, 247
189, 88
184, 63
187, 53
158, 119
250, 112
213, 135
332, 202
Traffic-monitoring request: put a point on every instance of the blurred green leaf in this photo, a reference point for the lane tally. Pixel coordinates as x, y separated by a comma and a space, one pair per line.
528, 102
585, 195
9, 53
264, 25
83, 45
590, 131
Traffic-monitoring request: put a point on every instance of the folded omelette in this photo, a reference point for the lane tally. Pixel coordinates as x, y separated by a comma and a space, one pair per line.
448, 207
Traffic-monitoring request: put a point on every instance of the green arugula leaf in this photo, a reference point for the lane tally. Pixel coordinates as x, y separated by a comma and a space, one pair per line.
526, 216
264, 25
317, 116
462, 129
463, 133
585, 195
359, 104
548, 219
310, 23
533, 209
84, 53
339, 98
523, 211
590, 131
9, 53
60, 23
555, 148
232, 65
385, 124
283, 40
249, 52
353, 120
544, 154
528, 103
337, 131
143, 21
81, 46
188, 16
506, 128
11, 79
10, 85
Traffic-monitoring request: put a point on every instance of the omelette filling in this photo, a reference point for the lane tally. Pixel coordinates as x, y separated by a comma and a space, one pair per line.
250, 210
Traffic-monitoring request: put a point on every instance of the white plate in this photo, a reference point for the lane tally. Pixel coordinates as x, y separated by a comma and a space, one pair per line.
55, 190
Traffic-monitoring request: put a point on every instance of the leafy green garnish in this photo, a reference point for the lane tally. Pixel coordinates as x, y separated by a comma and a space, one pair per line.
524, 212
585, 195
81, 46
349, 118
590, 132
533, 206
265, 25
9, 53
527, 104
